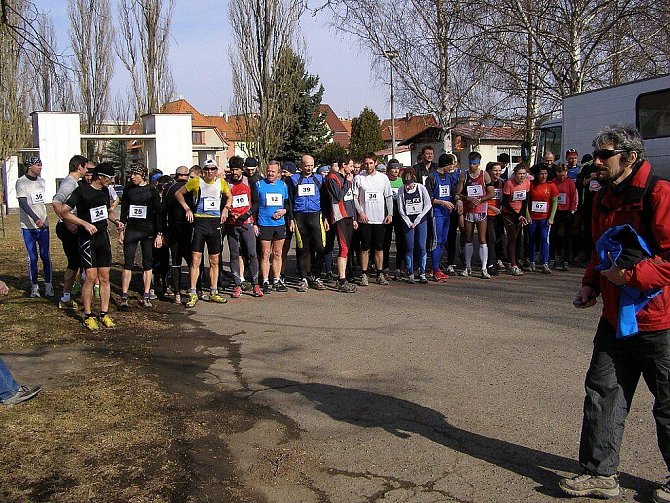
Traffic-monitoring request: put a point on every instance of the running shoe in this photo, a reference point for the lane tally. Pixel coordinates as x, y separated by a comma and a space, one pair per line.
96, 291
48, 290
35, 291
500, 265
257, 291
466, 272
546, 269
280, 286
303, 286
515, 271
530, 267
346, 287
451, 270
76, 288
246, 286
91, 323
662, 494
152, 294
485, 274
410, 280
216, 297
145, 302
237, 292
422, 279
364, 280
23, 394
493, 270
317, 284
267, 288
107, 321
123, 305
67, 304
177, 298
566, 266
586, 484
192, 300
440, 276
381, 280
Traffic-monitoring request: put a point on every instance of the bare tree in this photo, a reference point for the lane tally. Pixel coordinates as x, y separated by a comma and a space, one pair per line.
143, 47
92, 37
264, 86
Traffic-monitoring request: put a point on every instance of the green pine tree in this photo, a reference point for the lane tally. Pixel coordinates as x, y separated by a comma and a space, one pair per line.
330, 153
117, 153
366, 134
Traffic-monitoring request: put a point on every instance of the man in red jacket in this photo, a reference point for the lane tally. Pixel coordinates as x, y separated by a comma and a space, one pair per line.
630, 195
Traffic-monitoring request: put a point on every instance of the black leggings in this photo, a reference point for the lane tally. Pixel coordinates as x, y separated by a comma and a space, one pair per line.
309, 227
180, 249
242, 234
130, 241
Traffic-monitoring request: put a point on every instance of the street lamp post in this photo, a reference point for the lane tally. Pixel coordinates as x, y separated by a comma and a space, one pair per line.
391, 54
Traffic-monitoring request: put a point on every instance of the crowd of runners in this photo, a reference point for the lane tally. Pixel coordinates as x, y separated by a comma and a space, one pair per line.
525, 217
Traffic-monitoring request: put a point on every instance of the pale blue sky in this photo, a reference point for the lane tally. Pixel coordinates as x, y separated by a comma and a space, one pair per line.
199, 50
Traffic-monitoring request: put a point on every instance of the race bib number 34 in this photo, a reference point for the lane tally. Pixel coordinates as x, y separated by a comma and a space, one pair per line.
373, 196
98, 214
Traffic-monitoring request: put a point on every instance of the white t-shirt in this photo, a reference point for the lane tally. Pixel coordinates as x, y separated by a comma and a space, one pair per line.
35, 192
371, 192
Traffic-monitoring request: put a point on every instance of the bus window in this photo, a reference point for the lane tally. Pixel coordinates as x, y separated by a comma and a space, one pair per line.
653, 114
549, 140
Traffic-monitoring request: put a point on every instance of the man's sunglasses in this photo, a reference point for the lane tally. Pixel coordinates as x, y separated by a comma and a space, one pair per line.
210, 169
607, 153
181, 174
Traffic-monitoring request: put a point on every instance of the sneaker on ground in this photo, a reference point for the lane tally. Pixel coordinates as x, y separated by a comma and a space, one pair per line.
381, 280
267, 288
177, 298
237, 292
591, 485
317, 284
485, 274
204, 296
96, 291
500, 265
531, 267
466, 272
346, 287
23, 394
192, 300
662, 494
257, 291
35, 291
303, 286
280, 286
440, 276
67, 304
216, 298
546, 269
493, 270
145, 302
422, 279
48, 290
515, 271
123, 305
364, 280
107, 321
152, 294
91, 323
451, 270
410, 279
566, 266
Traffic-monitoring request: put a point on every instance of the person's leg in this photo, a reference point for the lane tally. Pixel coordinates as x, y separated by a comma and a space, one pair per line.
44, 244
545, 229
399, 234
277, 257
440, 239
610, 384
499, 227
420, 238
533, 229
87, 290
409, 250
469, 247
315, 232
266, 247
249, 239
130, 242
233, 233
379, 234
386, 245
30, 240
512, 237
451, 238
344, 231
105, 290
194, 273
491, 239
483, 244
8, 386
214, 272
328, 249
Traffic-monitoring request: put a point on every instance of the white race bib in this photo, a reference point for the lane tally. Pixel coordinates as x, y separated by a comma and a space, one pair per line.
413, 208
306, 189
394, 192
37, 197
539, 206
562, 198
274, 200
594, 186
99, 213
349, 196
475, 191
519, 195
211, 203
135, 211
240, 201
498, 194
373, 197
445, 190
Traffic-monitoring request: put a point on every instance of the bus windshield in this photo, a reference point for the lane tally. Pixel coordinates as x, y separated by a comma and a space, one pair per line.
549, 140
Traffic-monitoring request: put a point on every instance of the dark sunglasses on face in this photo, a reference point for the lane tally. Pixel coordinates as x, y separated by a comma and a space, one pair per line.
209, 169
182, 174
606, 153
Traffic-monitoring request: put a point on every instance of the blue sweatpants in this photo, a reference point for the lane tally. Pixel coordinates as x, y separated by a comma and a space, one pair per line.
441, 228
416, 239
539, 229
37, 239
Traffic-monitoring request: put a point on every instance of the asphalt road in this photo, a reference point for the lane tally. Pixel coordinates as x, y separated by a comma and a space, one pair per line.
467, 391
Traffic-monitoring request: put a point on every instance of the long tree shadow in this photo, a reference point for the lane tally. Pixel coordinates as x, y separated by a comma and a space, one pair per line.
401, 418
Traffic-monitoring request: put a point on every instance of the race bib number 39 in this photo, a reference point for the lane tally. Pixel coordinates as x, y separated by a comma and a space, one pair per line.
98, 214
240, 201
135, 211
274, 200
37, 197
475, 191
306, 189
538, 206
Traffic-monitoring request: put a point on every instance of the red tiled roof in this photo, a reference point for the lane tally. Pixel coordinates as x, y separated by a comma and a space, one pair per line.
232, 127
407, 126
489, 132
